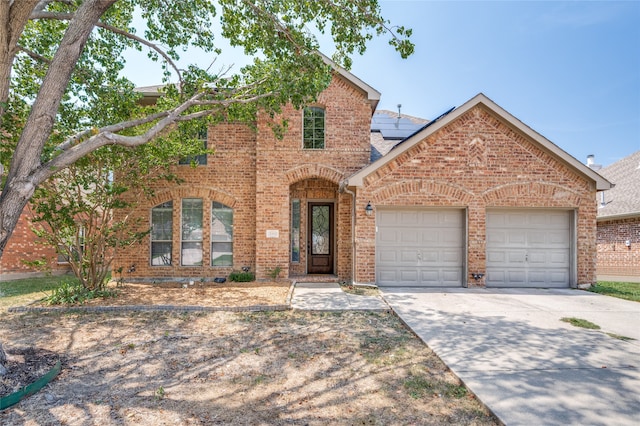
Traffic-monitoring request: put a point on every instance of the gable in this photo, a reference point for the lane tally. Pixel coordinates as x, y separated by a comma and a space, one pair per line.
534, 147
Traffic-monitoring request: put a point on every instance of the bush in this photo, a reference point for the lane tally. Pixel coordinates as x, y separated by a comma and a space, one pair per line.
241, 277
72, 293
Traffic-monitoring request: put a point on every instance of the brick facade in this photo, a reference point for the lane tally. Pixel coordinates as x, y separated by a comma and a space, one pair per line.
24, 245
477, 162
258, 175
615, 257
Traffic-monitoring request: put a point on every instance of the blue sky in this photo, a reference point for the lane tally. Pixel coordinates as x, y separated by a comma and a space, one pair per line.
569, 70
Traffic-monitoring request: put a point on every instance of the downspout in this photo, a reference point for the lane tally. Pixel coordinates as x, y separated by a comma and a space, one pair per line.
343, 188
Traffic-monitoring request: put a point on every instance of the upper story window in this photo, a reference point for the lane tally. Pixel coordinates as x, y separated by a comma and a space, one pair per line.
161, 234
313, 128
201, 159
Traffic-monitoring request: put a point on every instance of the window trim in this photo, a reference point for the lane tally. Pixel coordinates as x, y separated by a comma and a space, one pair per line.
151, 240
199, 160
313, 140
211, 233
182, 240
295, 241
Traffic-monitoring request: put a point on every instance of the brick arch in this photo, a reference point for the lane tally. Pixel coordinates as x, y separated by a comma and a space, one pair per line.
520, 193
197, 192
307, 171
419, 186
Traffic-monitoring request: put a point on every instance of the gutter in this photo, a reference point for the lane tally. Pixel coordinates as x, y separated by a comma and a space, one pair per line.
342, 188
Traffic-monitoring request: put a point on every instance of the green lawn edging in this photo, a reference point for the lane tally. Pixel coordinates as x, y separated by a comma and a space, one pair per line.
14, 398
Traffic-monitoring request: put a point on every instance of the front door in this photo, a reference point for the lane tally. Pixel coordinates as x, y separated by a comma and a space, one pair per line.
320, 239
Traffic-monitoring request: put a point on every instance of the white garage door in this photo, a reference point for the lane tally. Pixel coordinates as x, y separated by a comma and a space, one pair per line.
420, 247
529, 248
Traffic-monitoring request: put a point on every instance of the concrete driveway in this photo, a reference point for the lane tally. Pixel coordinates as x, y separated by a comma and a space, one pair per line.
511, 349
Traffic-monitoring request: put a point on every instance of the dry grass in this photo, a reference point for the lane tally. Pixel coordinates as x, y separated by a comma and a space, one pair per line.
263, 368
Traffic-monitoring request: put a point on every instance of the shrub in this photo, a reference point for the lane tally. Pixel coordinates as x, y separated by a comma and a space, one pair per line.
71, 293
241, 277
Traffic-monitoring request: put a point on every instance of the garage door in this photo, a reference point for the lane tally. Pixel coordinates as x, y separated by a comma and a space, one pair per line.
420, 247
529, 248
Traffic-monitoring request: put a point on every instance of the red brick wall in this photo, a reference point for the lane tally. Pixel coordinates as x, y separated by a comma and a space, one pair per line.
228, 178
258, 174
283, 163
614, 256
477, 162
24, 245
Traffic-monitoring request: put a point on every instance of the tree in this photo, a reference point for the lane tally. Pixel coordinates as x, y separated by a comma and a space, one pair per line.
60, 63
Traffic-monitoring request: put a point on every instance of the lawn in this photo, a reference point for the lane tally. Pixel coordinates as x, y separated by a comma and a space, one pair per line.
269, 368
25, 291
622, 290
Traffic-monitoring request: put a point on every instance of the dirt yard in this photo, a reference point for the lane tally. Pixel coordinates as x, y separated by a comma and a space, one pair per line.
260, 368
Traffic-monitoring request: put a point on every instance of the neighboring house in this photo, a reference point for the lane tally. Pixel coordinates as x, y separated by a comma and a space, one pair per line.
619, 222
24, 247
474, 197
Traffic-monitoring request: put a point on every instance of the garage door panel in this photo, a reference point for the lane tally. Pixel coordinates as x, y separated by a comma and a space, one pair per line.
429, 256
388, 236
452, 256
408, 275
409, 256
428, 246
528, 248
407, 237
387, 256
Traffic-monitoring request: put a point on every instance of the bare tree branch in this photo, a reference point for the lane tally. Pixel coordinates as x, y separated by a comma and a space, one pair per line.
68, 16
34, 55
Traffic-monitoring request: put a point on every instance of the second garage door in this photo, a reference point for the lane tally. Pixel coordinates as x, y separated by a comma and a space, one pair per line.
529, 248
420, 247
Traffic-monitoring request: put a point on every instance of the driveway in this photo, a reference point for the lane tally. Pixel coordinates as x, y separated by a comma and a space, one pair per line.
511, 349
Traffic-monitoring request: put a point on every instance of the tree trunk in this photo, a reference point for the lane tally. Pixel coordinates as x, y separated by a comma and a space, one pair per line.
13, 199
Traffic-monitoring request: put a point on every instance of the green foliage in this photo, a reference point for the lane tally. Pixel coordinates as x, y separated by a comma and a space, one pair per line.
241, 277
582, 323
73, 293
621, 290
275, 272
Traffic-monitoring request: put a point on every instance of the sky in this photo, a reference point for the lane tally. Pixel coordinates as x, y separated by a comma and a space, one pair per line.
570, 70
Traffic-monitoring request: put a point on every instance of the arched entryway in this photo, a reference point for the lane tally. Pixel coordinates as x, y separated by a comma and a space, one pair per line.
315, 231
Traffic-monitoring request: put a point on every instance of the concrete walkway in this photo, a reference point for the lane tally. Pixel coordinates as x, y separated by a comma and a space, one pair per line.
511, 349
330, 297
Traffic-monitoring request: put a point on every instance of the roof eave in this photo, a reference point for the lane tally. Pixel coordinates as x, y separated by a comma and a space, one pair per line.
373, 96
602, 184
630, 215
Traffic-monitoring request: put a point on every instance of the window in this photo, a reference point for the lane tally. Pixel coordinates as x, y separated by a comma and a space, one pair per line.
295, 230
221, 235
161, 234
191, 253
202, 158
313, 128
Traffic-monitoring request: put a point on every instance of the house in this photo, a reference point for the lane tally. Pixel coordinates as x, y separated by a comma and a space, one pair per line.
618, 219
24, 247
472, 198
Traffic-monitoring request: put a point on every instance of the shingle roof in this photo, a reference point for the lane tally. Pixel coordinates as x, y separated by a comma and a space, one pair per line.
624, 198
388, 129
480, 99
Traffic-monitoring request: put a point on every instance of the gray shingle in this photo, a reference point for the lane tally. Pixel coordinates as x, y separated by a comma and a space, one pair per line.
624, 198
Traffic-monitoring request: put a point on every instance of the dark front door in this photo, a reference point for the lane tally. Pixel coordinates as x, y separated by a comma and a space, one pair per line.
320, 239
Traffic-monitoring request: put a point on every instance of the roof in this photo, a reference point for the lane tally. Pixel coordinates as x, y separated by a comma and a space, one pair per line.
389, 128
358, 178
372, 94
624, 199
152, 93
